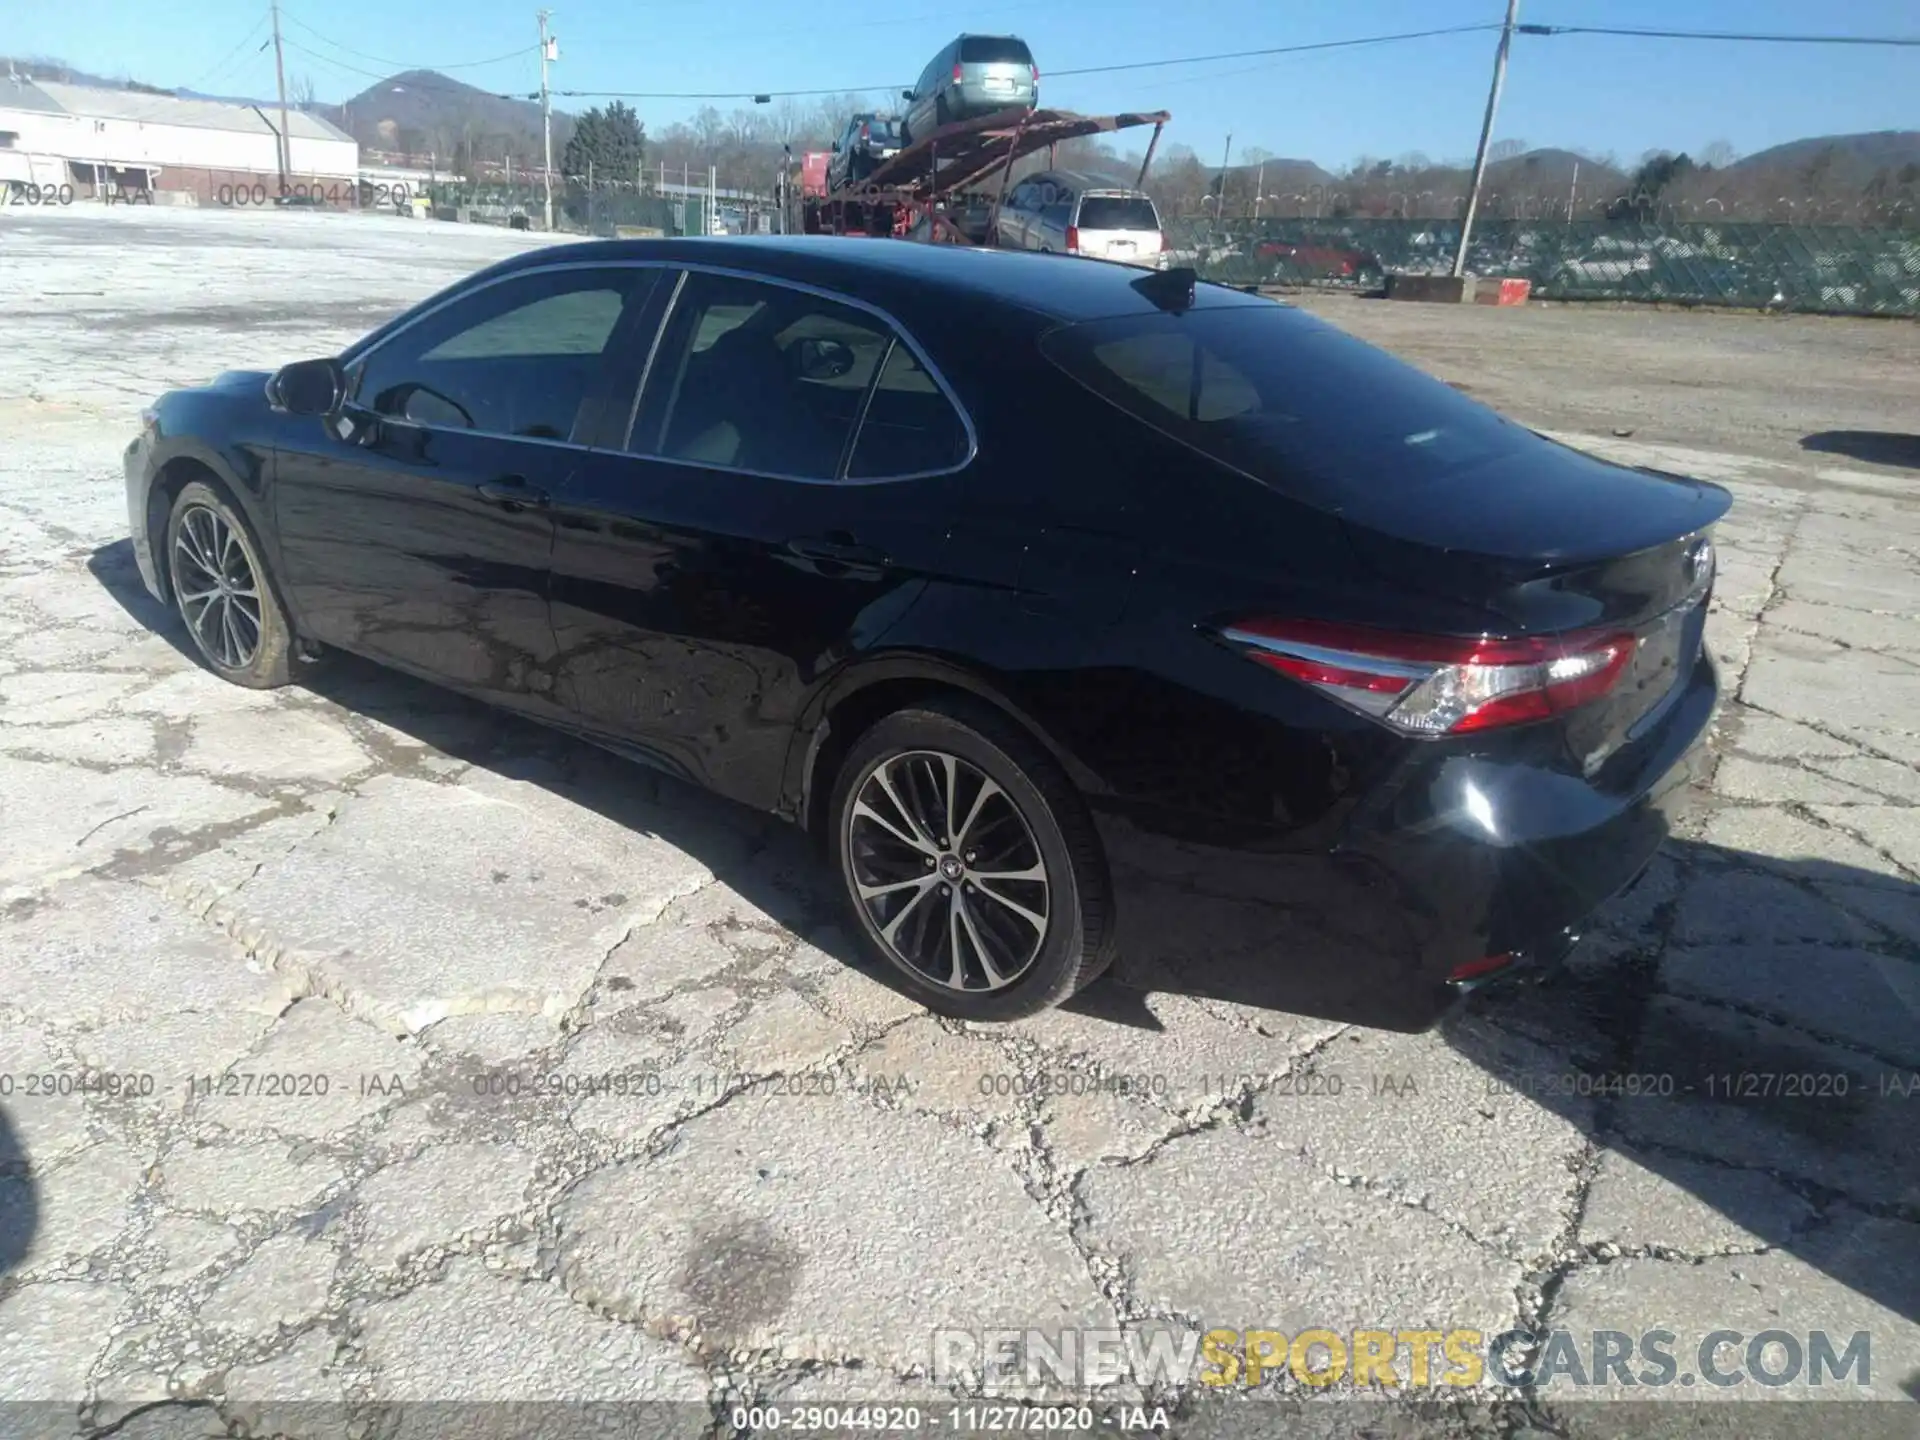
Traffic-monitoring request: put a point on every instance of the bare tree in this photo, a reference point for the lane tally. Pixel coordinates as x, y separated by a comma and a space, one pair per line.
1719, 154
1506, 149
300, 93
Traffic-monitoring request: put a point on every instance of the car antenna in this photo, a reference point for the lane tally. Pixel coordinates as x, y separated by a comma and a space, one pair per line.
1170, 289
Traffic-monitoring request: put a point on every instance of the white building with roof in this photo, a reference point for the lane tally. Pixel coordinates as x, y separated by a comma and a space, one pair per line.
104, 141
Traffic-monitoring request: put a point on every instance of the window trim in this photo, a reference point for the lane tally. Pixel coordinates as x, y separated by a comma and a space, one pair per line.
683, 268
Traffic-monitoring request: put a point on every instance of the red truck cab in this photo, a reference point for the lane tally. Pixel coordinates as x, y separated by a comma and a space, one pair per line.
813, 173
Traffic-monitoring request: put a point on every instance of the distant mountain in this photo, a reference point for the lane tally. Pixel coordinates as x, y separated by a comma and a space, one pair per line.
422, 112
1871, 151
1275, 177
1551, 168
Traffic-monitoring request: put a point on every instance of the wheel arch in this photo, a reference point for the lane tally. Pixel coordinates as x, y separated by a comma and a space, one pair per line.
172, 475
853, 701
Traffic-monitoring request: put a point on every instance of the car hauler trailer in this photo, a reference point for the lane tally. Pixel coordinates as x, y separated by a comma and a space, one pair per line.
949, 186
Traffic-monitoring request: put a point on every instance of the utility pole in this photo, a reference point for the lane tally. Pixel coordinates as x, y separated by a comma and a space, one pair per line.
1573, 190
549, 50
1226, 159
1486, 136
285, 147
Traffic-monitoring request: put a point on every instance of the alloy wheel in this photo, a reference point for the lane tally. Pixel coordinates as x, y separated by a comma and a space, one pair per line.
947, 870
218, 591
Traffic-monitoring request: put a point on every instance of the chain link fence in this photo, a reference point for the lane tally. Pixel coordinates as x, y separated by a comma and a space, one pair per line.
603, 209
1820, 269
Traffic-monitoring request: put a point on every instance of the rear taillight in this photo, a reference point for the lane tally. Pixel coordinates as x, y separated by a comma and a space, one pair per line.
1073, 239
1036, 76
1163, 242
1440, 685
866, 133
956, 72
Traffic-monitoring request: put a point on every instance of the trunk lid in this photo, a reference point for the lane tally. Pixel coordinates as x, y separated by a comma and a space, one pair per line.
1617, 552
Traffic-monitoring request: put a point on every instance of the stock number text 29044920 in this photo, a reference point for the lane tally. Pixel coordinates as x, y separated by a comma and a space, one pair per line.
339, 193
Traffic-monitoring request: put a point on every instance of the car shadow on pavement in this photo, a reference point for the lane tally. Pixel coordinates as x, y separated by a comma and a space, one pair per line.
1744, 1028
1874, 447
19, 1196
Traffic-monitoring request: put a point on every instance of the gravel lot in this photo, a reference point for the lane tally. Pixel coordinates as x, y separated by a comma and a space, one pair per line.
434, 908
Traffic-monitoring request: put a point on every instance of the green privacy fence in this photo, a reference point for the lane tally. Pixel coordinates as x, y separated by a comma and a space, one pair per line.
1829, 269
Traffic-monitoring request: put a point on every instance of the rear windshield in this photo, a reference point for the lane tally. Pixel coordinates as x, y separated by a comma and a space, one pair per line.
994, 50
882, 132
1118, 212
1287, 398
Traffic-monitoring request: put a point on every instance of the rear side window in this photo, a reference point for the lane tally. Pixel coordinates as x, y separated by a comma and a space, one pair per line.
910, 428
994, 50
1286, 398
1118, 212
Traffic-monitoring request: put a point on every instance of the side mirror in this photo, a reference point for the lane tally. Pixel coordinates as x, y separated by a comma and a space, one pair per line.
308, 387
836, 147
906, 94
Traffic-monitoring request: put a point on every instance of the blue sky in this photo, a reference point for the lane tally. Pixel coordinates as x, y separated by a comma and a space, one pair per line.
1601, 93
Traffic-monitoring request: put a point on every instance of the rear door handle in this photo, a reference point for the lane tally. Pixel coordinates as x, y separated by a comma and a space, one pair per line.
513, 492
834, 552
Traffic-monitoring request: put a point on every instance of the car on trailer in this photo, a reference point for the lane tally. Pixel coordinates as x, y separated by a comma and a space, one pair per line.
869, 139
973, 75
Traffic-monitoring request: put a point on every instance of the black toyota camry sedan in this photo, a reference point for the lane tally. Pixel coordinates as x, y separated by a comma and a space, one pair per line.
1076, 611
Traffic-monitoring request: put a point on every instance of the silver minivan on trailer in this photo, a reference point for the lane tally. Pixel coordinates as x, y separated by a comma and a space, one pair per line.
1066, 212
972, 75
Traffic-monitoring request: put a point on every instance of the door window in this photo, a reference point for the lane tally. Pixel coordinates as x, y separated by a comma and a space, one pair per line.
518, 358
760, 377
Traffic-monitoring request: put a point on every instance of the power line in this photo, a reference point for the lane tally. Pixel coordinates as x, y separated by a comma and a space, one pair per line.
1899, 40
1056, 74
227, 59
383, 60
1277, 50
452, 87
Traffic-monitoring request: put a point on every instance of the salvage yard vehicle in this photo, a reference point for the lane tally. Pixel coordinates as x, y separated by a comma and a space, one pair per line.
973, 75
1064, 212
868, 140
1063, 603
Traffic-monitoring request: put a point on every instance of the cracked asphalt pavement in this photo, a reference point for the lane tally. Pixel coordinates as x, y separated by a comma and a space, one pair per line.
309, 999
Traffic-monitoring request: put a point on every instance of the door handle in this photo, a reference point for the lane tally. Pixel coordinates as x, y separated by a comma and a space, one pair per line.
836, 552
512, 492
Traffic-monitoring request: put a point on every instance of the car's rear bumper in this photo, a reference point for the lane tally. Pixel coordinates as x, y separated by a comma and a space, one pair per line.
138, 465
1469, 861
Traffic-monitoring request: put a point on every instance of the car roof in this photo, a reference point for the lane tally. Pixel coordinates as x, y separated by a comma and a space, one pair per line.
1083, 180
909, 278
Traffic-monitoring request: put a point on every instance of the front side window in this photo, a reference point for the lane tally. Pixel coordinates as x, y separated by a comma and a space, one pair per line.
518, 358
761, 377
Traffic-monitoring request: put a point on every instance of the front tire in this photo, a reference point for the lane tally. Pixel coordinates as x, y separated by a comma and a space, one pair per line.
969, 864
223, 592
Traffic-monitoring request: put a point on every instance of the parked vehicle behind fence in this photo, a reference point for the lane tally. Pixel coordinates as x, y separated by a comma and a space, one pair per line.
1064, 212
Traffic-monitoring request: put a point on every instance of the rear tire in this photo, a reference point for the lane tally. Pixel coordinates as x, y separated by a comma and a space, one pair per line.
1006, 918
222, 590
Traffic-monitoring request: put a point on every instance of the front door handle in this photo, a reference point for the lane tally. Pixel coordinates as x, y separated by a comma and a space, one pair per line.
512, 492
